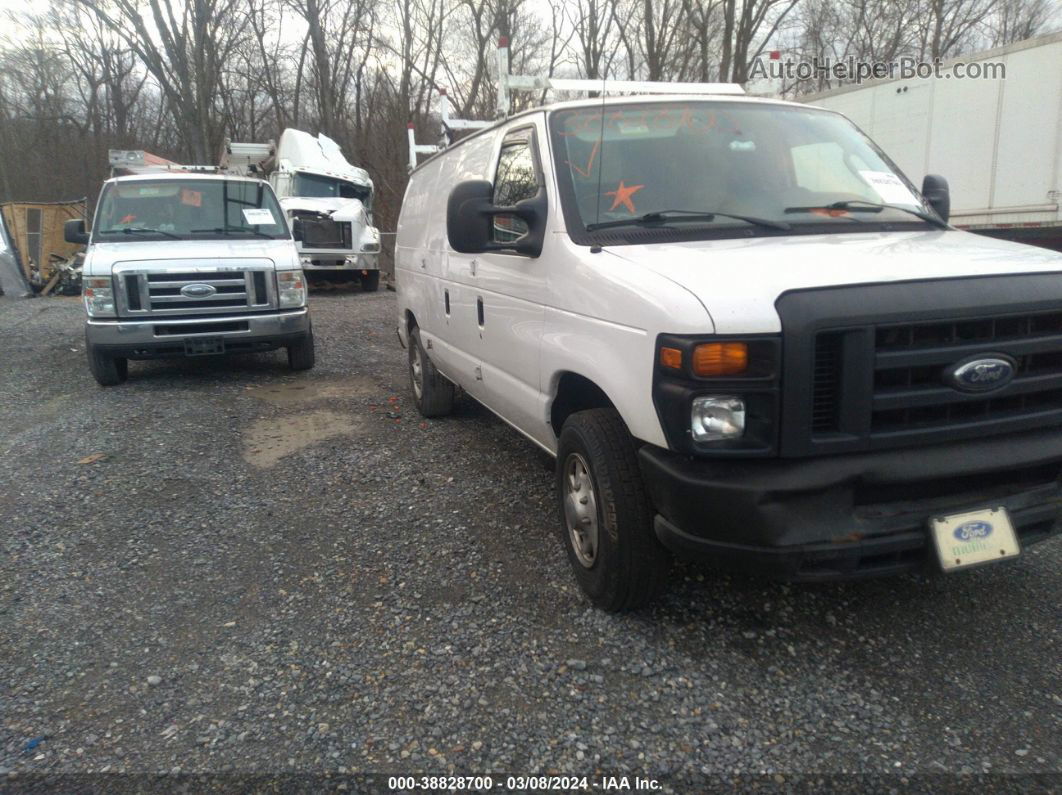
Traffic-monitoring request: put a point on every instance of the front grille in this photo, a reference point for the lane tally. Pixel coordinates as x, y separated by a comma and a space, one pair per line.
909, 397
159, 293
910, 391
321, 232
870, 366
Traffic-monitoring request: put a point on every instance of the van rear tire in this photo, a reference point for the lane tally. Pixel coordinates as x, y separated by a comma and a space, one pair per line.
605, 513
432, 391
107, 370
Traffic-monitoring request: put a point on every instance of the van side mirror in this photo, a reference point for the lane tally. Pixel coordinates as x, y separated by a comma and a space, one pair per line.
74, 231
298, 232
935, 189
470, 219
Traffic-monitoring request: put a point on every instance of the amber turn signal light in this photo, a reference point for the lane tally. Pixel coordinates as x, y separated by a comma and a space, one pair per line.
671, 358
720, 358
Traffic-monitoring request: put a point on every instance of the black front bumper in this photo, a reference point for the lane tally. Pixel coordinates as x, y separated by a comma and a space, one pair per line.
849, 516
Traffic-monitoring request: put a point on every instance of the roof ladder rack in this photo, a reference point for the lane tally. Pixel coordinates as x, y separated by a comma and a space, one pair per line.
507, 83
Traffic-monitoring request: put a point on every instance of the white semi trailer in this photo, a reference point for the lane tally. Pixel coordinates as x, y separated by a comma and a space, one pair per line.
329, 198
998, 141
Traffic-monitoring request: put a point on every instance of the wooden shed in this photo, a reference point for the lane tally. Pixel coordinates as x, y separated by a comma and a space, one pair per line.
37, 230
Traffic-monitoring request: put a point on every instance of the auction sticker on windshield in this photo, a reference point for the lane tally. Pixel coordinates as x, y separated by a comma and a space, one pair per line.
971, 539
889, 187
258, 217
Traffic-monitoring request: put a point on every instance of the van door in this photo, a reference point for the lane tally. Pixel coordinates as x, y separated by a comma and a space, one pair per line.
461, 355
510, 288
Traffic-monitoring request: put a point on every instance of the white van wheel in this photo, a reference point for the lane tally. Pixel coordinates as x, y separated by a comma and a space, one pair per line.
433, 393
606, 517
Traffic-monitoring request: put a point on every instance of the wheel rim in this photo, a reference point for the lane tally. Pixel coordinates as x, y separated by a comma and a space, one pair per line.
580, 509
416, 368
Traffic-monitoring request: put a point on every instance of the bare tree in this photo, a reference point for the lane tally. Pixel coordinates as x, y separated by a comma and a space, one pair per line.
184, 45
1016, 20
747, 26
593, 23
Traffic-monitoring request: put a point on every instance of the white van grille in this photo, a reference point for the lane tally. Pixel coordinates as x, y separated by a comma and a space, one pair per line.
194, 292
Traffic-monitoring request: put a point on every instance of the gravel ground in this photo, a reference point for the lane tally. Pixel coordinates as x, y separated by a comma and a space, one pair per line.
224, 567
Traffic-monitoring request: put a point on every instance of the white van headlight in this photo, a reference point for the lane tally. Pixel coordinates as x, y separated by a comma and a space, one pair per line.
98, 294
291, 289
717, 417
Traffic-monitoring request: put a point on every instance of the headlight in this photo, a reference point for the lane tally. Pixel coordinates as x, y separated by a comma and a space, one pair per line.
714, 418
291, 288
98, 295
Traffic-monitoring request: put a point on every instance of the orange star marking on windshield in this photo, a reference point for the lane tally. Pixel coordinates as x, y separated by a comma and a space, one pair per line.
622, 195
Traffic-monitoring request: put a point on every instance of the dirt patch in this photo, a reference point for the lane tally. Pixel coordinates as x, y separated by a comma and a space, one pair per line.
312, 390
269, 439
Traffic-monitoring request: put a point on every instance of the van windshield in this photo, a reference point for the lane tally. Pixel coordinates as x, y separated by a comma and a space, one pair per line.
719, 169
184, 209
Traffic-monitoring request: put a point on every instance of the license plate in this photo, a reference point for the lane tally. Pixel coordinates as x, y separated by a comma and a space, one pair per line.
204, 347
974, 538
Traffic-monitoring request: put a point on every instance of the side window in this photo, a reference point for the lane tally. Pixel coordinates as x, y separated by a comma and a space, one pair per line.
515, 180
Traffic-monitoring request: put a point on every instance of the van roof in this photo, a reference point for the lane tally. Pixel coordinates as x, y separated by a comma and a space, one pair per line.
155, 176
624, 100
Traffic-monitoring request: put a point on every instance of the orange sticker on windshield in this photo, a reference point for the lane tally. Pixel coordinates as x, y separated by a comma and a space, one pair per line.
192, 198
622, 195
590, 164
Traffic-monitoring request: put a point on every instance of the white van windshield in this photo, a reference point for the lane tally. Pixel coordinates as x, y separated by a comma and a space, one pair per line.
188, 210
714, 167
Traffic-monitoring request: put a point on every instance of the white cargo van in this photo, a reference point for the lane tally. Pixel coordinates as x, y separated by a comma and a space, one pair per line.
189, 264
745, 336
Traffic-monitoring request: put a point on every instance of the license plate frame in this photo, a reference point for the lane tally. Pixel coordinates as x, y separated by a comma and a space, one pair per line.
974, 538
205, 346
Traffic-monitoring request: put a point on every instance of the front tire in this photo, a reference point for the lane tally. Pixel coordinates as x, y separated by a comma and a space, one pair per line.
432, 391
606, 518
107, 370
370, 282
301, 355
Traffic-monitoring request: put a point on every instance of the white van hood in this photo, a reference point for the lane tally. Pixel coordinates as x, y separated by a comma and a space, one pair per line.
739, 280
172, 254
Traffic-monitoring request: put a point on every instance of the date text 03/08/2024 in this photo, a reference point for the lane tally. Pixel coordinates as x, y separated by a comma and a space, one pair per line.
523, 783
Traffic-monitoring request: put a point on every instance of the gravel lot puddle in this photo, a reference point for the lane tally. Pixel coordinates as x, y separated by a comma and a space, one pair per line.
268, 440
306, 391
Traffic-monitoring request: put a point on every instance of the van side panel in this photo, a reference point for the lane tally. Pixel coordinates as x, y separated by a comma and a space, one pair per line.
601, 323
415, 262
510, 294
461, 346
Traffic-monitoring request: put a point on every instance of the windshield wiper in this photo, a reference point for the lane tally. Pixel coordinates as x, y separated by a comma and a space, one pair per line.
863, 206
224, 230
132, 230
669, 216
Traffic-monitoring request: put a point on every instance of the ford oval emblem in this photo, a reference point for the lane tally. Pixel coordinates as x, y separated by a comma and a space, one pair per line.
982, 373
973, 531
198, 290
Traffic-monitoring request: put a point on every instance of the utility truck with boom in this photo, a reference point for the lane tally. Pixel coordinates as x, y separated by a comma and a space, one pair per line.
321, 192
